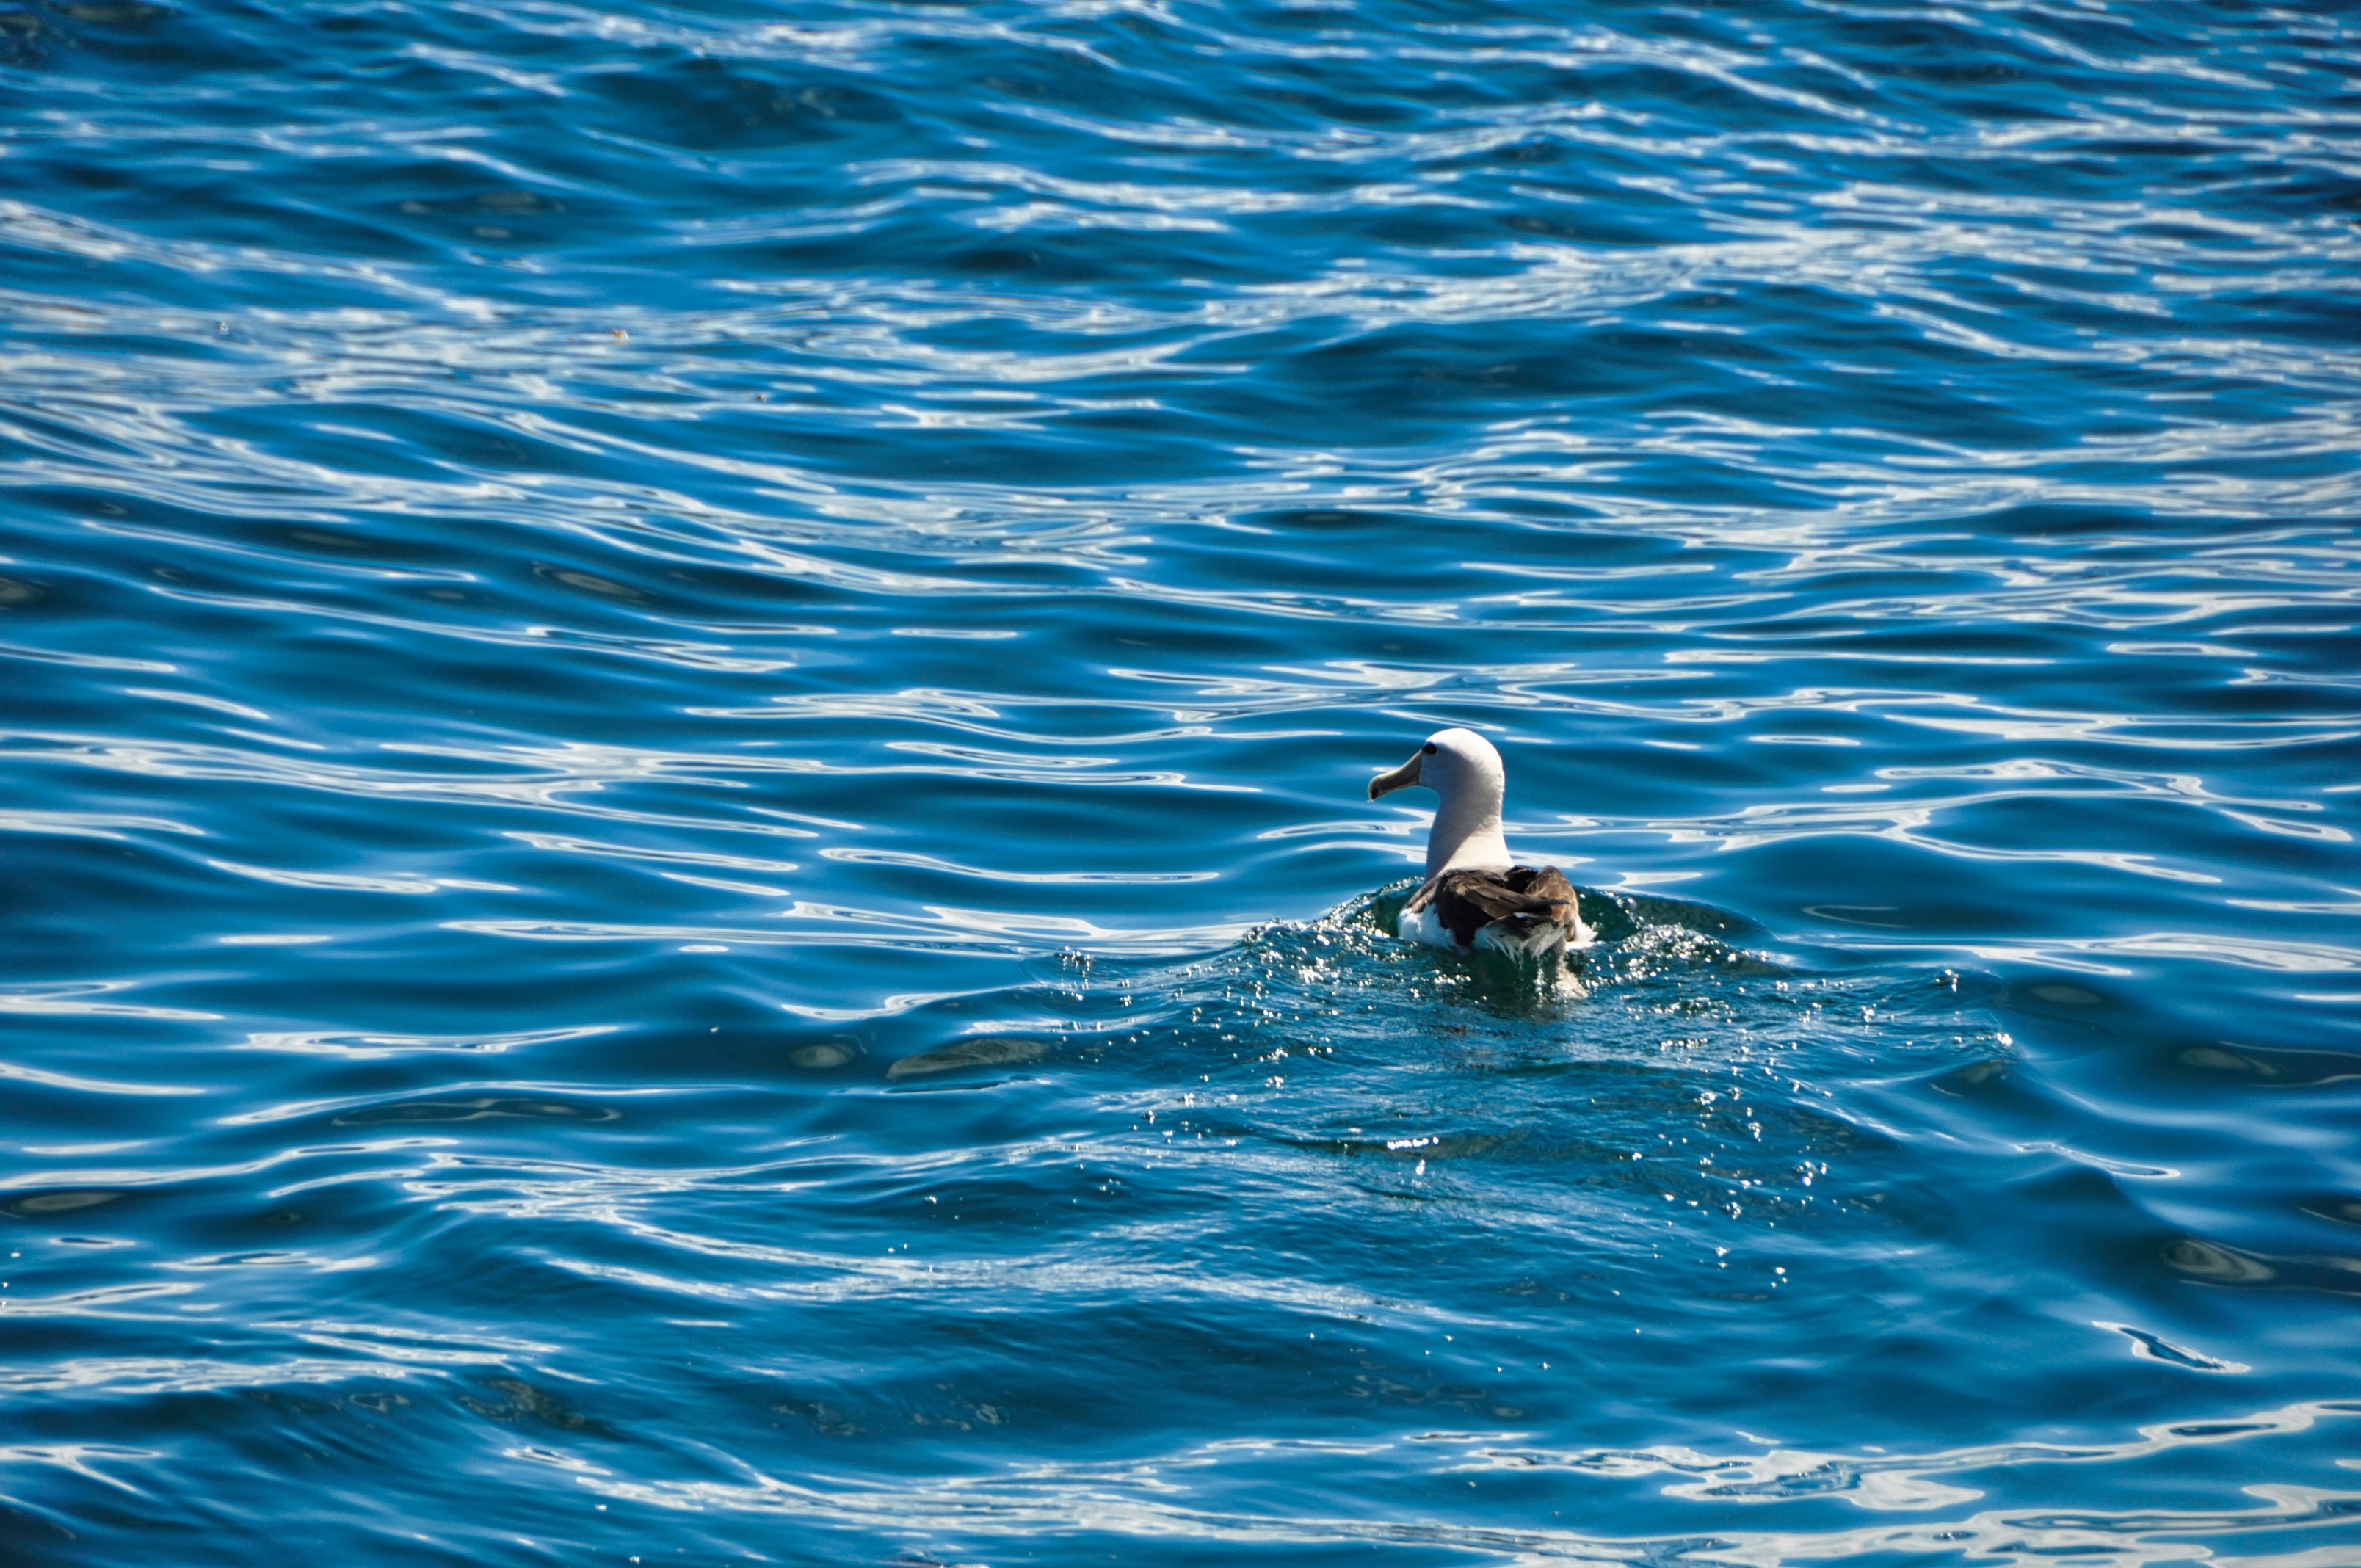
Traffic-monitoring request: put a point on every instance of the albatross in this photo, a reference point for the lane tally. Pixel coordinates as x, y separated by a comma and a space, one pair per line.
1476, 895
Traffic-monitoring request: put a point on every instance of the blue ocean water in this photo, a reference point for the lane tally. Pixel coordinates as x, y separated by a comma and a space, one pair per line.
687, 695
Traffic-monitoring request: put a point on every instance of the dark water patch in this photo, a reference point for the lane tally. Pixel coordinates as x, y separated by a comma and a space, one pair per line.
476, 1109
33, 1205
990, 1050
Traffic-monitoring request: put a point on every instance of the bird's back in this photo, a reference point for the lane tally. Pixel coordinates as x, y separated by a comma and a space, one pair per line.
1525, 910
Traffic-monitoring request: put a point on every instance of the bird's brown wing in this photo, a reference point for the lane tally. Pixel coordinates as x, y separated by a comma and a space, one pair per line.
1543, 881
1466, 902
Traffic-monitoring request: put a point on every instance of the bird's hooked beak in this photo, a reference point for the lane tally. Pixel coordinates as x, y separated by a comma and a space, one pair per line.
1401, 778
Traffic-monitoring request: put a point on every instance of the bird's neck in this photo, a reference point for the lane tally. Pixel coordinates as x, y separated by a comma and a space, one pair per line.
1466, 834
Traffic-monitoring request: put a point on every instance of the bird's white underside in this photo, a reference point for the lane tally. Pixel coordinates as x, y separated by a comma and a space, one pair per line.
1537, 940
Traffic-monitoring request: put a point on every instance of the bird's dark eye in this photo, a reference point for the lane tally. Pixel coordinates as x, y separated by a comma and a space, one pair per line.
1430, 747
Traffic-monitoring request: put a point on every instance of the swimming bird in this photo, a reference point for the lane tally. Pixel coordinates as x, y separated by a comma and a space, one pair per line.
1475, 895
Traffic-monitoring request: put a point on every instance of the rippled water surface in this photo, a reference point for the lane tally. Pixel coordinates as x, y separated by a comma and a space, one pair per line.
688, 697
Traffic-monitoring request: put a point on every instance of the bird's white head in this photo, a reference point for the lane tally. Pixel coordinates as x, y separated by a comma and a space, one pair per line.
1465, 773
